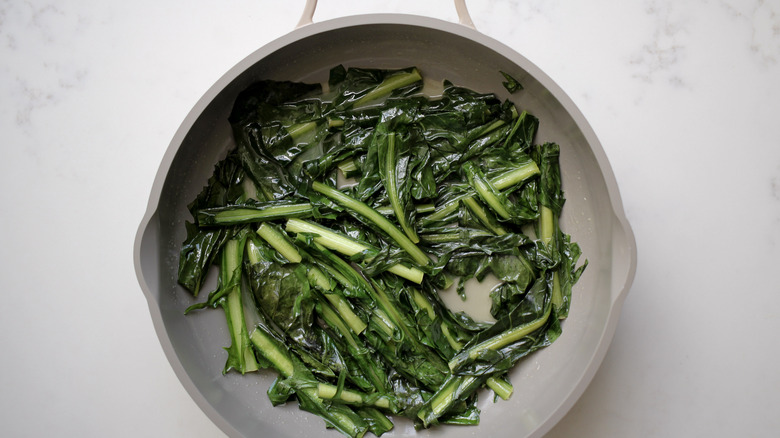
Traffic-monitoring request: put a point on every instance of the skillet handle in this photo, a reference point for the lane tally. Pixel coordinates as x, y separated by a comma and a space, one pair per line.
307, 17
464, 18
463, 14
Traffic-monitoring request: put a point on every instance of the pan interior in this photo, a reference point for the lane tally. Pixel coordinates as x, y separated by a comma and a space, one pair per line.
545, 381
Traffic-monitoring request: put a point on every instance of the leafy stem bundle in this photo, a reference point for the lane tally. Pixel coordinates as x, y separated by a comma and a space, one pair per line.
341, 216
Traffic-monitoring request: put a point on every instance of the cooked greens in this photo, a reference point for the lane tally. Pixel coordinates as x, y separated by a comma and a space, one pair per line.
341, 216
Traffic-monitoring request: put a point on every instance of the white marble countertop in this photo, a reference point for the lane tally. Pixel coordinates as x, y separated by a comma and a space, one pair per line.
684, 96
